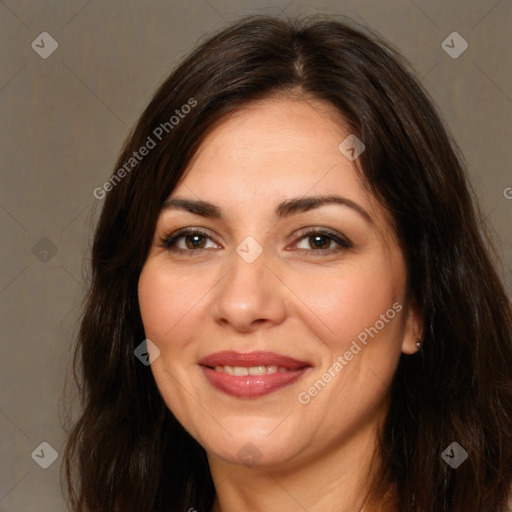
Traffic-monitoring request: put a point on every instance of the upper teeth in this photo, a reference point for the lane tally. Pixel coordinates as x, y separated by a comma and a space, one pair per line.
240, 371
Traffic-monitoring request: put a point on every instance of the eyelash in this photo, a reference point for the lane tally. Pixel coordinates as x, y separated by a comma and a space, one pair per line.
169, 241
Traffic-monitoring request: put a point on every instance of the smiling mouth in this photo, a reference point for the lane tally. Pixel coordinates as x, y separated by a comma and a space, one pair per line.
242, 371
252, 374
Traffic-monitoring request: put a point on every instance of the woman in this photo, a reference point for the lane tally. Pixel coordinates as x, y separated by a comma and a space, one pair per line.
292, 306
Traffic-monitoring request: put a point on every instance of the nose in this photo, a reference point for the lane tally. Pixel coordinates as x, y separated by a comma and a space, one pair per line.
250, 296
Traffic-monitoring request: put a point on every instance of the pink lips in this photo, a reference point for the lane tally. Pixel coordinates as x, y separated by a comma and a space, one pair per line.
251, 386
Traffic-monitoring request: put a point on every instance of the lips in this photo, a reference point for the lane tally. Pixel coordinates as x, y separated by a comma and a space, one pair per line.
252, 374
248, 359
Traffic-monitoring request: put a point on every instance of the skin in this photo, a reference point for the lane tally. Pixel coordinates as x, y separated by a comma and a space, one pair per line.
309, 305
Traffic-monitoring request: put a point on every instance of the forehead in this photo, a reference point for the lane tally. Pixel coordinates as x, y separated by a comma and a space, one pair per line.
271, 150
272, 143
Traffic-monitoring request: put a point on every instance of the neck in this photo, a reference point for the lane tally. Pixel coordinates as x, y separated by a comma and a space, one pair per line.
338, 479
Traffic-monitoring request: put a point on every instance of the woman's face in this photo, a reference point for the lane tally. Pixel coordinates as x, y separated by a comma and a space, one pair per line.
281, 322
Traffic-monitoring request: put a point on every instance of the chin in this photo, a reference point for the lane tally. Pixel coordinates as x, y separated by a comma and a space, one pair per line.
254, 446
254, 454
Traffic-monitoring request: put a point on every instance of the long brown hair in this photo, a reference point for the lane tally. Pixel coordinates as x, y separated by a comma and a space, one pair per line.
126, 452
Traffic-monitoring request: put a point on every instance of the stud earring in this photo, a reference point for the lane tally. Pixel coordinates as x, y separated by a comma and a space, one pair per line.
418, 344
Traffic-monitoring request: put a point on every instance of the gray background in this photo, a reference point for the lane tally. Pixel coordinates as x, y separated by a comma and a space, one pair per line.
65, 118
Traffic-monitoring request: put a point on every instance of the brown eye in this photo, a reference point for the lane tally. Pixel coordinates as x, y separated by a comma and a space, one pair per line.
188, 240
319, 242
322, 242
195, 241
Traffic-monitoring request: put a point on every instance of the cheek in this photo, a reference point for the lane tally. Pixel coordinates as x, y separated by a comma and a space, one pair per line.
169, 307
342, 306
358, 318
166, 302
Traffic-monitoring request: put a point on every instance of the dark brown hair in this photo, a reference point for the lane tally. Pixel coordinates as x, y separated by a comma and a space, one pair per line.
126, 452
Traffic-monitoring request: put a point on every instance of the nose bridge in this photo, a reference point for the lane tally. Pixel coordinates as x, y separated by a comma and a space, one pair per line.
248, 280
250, 292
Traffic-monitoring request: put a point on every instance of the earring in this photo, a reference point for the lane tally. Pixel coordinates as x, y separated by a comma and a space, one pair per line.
418, 344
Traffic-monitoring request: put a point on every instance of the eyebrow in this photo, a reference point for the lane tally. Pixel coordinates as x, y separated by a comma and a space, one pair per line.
284, 209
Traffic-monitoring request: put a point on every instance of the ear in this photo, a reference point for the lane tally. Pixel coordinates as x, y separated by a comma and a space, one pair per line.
413, 328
